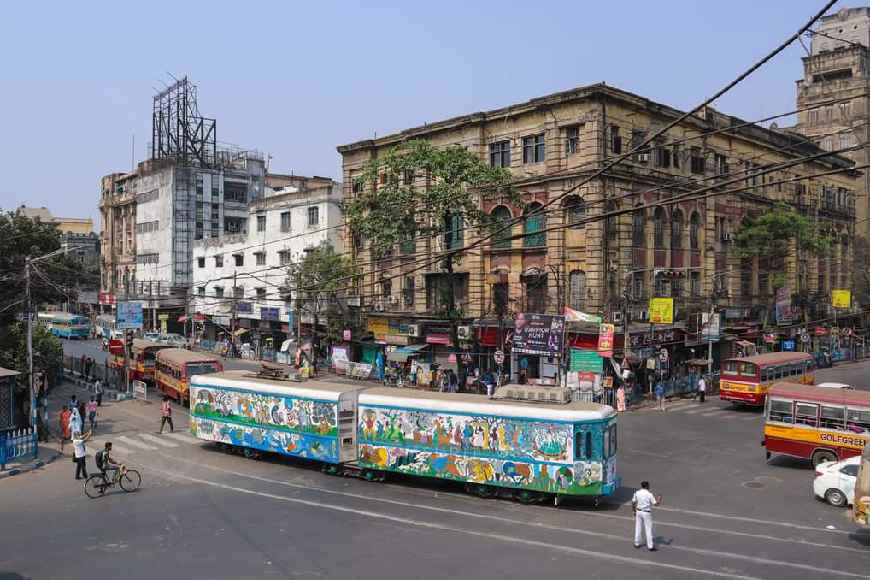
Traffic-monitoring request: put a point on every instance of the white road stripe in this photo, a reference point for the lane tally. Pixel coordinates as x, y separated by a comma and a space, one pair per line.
182, 436
681, 406
714, 413
525, 522
693, 411
157, 440
136, 444
644, 563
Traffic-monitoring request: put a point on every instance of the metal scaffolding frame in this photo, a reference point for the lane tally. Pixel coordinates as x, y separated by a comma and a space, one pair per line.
178, 131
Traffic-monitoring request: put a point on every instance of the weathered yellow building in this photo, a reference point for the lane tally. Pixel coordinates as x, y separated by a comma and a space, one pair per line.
659, 223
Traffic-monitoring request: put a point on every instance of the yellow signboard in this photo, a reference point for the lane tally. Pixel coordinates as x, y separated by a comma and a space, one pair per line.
661, 310
379, 327
841, 298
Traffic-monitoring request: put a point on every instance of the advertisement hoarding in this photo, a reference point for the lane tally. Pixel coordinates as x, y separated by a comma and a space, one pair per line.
540, 334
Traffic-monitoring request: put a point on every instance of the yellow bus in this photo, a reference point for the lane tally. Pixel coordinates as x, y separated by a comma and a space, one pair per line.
175, 366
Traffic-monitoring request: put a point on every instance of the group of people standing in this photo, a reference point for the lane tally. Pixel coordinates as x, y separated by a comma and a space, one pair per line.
72, 424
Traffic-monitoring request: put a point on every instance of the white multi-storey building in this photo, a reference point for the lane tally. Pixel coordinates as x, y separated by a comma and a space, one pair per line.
239, 280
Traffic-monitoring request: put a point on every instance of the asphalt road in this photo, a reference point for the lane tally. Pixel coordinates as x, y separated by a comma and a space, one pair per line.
204, 514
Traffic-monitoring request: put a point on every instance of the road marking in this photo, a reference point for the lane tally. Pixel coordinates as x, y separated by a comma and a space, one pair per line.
158, 440
512, 521
714, 413
680, 406
750, 520
184, 438
693, 411
644, 563
136, 444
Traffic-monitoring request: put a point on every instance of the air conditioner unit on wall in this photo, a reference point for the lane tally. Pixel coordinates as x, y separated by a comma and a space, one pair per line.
414, 330
464, 332
617, 317
644, 315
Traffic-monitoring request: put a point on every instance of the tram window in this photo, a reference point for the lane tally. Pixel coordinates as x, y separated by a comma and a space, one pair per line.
806, 414
605, 442
578, 446
832, 417
588, 446
780, 411
613, 442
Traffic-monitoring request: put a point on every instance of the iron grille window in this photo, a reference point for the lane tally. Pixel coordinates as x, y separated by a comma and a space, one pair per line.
615, 140
500, 219
284, 257
409, 290
261, 223
572, 140
260, 258
577, 289
313, 216
533, 227
285, 221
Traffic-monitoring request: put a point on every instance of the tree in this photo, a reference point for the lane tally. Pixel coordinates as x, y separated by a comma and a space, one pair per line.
317, 281
418, 190
772, 233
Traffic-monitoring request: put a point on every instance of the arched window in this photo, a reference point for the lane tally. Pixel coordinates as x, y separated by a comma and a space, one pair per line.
576, 289
533, 226
677, 230
575, 212
638, 228
659, 222
500, 219
694, 230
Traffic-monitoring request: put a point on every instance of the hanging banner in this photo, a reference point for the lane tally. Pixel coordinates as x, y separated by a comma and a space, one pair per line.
539, 334
585, 361
572, 315
605, 340
661, 310
710, 325
841, 298
128, 316
784, 313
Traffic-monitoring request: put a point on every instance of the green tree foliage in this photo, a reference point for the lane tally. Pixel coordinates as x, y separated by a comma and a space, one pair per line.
771, 234
417, 190
317, 280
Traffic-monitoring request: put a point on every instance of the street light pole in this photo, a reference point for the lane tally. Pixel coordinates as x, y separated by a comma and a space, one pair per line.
29, 314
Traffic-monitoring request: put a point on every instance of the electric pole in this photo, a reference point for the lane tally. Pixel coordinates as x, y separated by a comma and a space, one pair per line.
29, 314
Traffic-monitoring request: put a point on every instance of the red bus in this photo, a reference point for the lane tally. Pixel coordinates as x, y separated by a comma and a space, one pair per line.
747, 379
818, 423
175, 366
143, 359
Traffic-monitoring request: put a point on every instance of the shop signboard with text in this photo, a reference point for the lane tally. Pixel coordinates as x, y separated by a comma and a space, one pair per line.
540, 334
661, 310
128, 316
841, 298
605, 340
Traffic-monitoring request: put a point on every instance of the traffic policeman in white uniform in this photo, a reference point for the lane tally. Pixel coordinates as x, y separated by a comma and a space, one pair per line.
642, 503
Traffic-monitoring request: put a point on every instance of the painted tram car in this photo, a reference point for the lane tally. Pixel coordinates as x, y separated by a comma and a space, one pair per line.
533, 450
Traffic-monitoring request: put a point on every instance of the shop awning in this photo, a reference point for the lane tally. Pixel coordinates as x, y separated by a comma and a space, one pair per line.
744, 343
403, 353
241, 331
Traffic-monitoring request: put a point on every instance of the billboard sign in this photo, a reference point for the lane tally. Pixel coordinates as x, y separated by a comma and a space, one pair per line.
605, 340
841, 298
710, 326
128, 316
540, 334
661, 310
784, 313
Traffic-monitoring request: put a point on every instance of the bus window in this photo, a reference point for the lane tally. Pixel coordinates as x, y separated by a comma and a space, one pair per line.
806, 414
748, 369
780, 411
832, 417
858, 421
765, 375
730, 367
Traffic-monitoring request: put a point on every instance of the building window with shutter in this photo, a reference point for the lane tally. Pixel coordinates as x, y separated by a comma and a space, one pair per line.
500, 222
261, 223
576, 289
260, 258
313, 216
409, 290
533, 226
575, 212
572, 140
285, 221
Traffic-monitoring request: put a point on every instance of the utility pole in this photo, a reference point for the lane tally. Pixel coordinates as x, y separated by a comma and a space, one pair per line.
29, 314
233, 318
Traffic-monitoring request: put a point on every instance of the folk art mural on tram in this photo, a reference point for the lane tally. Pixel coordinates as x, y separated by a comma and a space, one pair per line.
487, 450
280, 424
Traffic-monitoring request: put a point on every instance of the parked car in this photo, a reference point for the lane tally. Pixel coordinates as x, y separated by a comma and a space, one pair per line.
835, 481
175, 340
152, 336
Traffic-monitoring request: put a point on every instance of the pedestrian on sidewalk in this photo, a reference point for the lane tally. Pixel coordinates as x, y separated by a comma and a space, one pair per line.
660, 395
620, 399
92, 413
642, 503
76, 425
64, 419
702, 389
80, 454
83, 412
166, 412
98, 392
73, 403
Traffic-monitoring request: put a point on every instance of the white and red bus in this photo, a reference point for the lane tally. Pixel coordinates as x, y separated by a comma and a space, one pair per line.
747, 379
144, 359
817, 423
175, 366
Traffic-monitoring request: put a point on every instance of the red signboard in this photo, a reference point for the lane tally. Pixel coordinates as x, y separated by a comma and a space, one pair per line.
116, 346
107, 299
605, 340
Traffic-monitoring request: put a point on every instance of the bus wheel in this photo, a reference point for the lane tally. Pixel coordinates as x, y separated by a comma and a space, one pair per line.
526, 497
822, 457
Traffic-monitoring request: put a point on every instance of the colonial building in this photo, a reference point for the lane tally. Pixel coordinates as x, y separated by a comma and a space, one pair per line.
607, 243
836, 85
240, 279
118, 236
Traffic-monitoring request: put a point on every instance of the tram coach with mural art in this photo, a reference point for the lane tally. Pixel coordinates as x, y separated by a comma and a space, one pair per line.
533, 451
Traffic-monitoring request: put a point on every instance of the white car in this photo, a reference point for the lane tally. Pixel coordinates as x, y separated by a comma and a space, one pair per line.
835, 481
834, 386
173, 339
152, 336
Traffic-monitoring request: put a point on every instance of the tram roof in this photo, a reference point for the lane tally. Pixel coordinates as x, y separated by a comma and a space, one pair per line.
483, 405
246, 380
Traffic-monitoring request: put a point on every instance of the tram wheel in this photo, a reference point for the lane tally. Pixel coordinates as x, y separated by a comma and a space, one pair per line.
526, 497
481, 490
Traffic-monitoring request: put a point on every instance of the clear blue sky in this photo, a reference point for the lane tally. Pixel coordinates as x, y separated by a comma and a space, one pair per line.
295, 79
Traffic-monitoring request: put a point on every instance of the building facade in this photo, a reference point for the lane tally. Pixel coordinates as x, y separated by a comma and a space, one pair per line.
834, 95
604, 239
240, 279
117, 236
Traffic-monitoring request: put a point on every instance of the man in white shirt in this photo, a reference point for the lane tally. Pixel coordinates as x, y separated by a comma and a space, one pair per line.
642, 503
80, 454
702, 388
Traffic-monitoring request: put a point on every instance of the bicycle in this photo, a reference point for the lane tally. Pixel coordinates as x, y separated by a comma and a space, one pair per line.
128, 479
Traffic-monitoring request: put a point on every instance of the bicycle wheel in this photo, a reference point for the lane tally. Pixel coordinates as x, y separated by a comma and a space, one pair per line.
130, 481
95, 486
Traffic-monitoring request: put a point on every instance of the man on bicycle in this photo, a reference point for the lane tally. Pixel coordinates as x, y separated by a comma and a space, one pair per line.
106, 464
